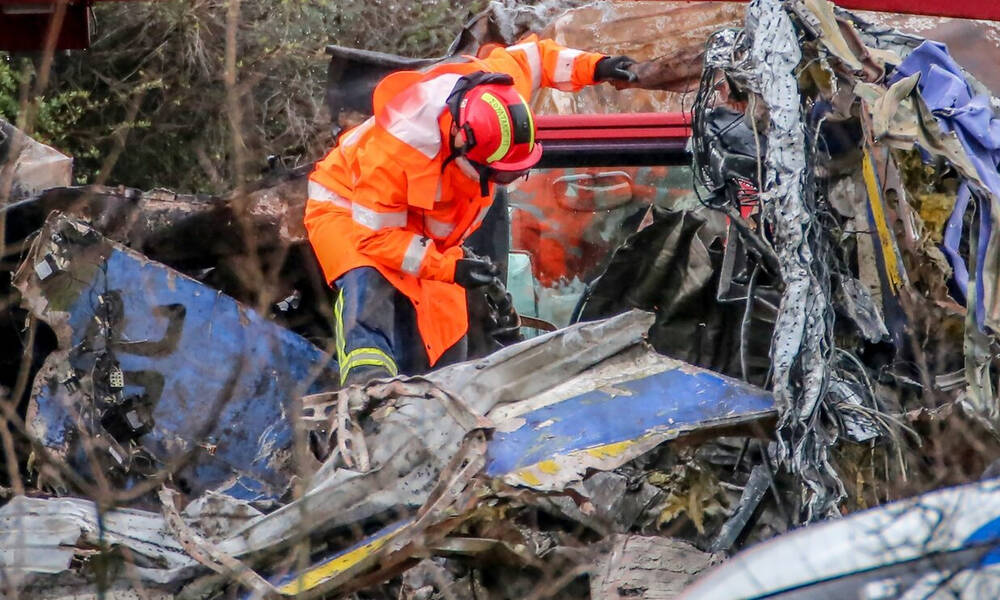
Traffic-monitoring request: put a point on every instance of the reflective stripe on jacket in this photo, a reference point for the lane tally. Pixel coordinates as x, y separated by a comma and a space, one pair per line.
383, 197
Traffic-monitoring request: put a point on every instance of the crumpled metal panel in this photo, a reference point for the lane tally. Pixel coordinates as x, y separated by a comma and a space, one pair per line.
219, 377
419, 432
553, 446
670, 35
974, 44
945, 544
172, 227
41, 536
34, 165
424, 421
567, 393
803, 327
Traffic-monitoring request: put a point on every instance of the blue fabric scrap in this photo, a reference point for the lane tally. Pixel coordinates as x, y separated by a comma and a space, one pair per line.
943, 87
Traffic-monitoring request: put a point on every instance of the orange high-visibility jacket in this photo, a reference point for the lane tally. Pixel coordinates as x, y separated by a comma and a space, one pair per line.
384, 198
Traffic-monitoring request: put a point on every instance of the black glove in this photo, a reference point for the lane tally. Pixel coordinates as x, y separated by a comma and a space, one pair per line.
614, 68
506, 315
475, 272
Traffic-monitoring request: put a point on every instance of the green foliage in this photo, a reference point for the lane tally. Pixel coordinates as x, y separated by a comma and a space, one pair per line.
57, 115
149, 97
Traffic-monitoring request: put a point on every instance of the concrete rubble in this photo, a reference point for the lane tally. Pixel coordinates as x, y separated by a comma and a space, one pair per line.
796, 339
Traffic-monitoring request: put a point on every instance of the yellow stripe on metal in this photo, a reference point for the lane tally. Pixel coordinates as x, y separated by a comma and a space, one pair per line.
528, 477
535, 474
885, 238
611, 450
505, 129
313, 577
549, 467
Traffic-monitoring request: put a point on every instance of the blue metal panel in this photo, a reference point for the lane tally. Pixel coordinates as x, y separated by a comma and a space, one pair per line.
681, 399
198, 354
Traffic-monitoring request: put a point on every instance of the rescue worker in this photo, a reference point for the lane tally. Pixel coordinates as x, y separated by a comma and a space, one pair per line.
391, 204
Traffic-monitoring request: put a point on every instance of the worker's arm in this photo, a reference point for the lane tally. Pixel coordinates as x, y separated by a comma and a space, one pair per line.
535, 63
380, 211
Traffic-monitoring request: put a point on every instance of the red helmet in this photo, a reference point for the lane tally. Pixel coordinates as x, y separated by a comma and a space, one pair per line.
497, 125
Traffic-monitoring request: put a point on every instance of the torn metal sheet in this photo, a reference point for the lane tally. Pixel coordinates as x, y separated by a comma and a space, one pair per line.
614, 502
667, 38
27, 166
40, 538
216, 515
803, 328
178, 375
553, 446
753, 492
860, 308
945, 544
173, 227
646, 568
889, 262
421, 426
562, 430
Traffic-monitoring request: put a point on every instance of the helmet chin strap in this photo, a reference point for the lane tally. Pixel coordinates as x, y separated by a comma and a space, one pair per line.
482, 170
484, 178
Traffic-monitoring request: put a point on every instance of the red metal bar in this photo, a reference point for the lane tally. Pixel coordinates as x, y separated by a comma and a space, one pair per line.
629, 133
613, 120
624, 126
988, 10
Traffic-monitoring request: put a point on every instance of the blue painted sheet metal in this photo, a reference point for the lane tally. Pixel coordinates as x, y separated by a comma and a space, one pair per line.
673, 401
199, 355
948, 535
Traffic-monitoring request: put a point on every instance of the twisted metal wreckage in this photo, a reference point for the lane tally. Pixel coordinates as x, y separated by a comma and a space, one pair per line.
844, 170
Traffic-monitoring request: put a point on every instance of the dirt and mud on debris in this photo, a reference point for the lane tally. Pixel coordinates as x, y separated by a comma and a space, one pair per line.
773, 371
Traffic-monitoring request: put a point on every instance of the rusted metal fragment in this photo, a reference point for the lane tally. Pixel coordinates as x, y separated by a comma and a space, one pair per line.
646, 568
205, 552
27, 166
166, 372
174, 227
671, 35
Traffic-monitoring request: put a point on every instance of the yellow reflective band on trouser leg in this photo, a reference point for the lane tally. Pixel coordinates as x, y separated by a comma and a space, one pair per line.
359, 356
367, 357
338, 329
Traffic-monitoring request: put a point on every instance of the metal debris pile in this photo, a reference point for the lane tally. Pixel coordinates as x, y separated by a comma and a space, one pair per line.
868, 147
816, 335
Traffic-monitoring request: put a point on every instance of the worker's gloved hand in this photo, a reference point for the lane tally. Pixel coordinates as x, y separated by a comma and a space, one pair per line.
615, 68
506, 315
475, 272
